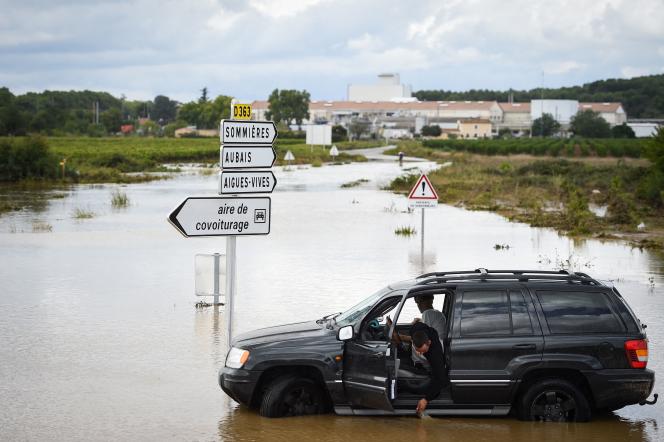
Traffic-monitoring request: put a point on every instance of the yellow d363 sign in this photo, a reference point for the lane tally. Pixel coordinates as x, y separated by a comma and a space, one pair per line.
241, 112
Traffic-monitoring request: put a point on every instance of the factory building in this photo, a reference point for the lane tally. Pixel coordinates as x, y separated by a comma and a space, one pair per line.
387, 88
388, 106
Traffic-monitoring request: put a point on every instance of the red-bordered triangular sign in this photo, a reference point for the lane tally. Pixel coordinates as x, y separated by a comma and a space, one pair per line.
423, 190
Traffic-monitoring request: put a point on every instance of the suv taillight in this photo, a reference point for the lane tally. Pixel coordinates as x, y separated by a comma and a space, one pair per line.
637, 353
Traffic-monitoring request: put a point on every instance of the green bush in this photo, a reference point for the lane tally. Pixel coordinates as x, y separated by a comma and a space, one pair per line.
27, 158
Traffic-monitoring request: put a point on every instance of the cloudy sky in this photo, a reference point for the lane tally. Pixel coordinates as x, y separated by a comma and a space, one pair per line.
248, 48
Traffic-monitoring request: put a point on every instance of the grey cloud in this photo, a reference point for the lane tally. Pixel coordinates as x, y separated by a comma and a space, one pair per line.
151, 47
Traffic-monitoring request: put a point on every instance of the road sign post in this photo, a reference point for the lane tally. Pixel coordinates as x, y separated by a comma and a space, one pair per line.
422, 195
246, 145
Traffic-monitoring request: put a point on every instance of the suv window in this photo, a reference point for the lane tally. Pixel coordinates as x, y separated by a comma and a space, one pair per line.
485, 313
578, 312
521, 324
492, 312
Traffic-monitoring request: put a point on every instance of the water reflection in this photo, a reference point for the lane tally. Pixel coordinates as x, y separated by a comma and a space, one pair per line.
240, 424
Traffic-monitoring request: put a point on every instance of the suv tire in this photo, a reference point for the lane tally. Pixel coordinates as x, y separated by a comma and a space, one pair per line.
554, 400
291, 395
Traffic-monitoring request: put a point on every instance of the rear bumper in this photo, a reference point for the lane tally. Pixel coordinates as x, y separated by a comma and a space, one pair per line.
238, 384
614, 389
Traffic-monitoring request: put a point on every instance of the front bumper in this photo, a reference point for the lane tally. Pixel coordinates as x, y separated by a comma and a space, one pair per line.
239, 384
614, 389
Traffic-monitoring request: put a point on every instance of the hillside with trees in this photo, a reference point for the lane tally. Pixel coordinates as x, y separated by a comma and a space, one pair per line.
100, 113
642, 97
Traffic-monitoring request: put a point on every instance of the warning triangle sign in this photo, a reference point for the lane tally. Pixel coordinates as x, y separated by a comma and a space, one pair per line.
423, 190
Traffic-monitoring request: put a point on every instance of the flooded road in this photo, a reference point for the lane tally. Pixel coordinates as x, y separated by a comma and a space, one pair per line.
99, 338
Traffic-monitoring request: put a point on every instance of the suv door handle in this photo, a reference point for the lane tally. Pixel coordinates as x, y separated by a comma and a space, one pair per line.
377, 355
524, 347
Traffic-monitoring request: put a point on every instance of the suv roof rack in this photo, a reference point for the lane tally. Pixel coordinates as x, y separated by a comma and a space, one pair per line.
483, 274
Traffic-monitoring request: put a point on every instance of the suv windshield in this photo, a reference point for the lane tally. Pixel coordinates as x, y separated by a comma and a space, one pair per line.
358, 311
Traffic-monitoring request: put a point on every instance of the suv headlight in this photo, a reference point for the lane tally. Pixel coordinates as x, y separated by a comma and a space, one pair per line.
236, 358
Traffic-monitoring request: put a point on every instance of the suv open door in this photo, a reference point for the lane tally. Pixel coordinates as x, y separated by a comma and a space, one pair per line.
367, 380
369, 360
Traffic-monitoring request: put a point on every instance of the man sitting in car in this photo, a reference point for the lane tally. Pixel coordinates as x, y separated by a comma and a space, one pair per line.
427, 344
431, 317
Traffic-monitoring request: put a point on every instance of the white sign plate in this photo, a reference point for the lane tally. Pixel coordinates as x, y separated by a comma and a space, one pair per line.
222, 216
423, 194
247, 182
246, 157
319, 134
247, 132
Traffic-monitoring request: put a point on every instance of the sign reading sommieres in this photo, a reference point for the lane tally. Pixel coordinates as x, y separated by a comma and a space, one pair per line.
247, 132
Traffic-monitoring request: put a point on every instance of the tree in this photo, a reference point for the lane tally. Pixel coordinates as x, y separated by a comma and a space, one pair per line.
622, 131
357, 128
590, 124
651, 187
545, 126
288, 105
164, 109
339, 133
204, 97
111, 119
170, 128
206, 114
431, 131
190, 112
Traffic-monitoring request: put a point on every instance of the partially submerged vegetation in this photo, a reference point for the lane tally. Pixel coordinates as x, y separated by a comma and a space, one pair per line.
354, 183
111, 159
554, 147
83, 213
60, 161
119, 199
405, 231
554, 192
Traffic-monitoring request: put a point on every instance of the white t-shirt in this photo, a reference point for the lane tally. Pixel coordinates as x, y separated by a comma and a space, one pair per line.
436, 320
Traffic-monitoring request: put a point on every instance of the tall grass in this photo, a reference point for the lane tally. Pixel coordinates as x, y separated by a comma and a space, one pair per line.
83, 214
119, 199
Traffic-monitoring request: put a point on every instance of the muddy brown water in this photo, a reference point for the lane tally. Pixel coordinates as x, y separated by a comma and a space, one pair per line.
99, 338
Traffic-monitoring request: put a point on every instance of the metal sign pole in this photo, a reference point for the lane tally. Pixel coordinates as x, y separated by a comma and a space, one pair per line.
215, 292
422, 244
231, 274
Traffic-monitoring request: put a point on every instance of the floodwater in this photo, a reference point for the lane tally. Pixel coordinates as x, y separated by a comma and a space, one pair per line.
100, 340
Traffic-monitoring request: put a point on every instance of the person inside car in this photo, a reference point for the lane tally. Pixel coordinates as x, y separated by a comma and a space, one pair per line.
431, 317
427, 344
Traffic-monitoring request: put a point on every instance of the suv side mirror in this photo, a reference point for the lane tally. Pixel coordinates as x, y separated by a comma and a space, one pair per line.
345, 333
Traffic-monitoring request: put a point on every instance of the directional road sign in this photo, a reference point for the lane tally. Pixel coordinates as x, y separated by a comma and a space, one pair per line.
247, 132
247, 182
222, 216
423, 194
246, 157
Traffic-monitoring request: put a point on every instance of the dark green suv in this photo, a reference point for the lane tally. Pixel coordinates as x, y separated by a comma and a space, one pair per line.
544, 345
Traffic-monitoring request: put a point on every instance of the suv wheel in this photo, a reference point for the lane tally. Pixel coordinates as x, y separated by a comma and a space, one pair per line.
292, 396
554, 400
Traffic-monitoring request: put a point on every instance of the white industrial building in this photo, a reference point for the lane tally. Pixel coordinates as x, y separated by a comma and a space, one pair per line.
389, 105
561, 110
644, 129
387, 88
